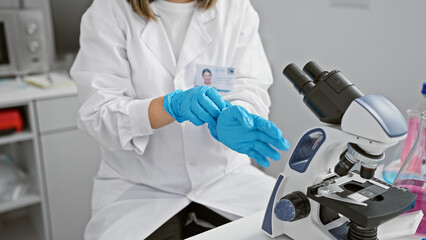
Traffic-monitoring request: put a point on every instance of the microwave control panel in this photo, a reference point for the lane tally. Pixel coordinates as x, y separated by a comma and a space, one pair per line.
32, 53
23, 42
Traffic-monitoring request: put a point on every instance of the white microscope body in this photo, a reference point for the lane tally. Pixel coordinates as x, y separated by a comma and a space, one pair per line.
317, 196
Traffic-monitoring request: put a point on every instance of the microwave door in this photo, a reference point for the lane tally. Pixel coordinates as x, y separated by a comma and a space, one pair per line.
4, 53
8, 60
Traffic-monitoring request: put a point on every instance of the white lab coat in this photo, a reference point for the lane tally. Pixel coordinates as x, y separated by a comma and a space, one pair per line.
146, 176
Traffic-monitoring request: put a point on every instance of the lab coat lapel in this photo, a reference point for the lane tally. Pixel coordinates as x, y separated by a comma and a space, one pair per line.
155, 37
197, 38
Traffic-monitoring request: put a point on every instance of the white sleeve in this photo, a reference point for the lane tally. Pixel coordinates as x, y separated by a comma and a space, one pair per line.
110, 110
253, 74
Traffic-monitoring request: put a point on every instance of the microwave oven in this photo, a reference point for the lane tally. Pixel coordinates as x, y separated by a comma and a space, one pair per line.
23, 45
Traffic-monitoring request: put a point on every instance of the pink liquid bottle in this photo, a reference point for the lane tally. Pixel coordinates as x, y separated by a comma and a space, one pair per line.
412, 172
413, 124
393, 166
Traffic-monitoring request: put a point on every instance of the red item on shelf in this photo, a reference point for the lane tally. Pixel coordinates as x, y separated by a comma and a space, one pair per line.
10, 121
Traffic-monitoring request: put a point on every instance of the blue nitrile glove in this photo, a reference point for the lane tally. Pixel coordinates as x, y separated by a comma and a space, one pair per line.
199, 105
250, 134
212, 127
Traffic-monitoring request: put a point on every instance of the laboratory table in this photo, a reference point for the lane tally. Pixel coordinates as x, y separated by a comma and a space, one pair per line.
249, 228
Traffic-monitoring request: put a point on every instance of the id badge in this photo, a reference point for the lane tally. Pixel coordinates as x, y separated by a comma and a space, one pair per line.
221, 78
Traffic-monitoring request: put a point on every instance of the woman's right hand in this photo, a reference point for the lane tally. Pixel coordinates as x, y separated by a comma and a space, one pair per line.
198, 105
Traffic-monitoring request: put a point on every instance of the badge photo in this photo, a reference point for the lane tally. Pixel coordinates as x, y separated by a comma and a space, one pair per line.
221, 78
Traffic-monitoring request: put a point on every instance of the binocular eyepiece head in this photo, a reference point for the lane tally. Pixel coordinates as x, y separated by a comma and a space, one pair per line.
327, 94
306, 79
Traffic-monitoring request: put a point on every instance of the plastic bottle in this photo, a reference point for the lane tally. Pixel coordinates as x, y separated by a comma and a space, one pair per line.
391, 169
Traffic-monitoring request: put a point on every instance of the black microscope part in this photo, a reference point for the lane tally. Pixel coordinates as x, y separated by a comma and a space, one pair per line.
367, 173
357, 232
314, 71
301, 82
300, 203
327, 94
389, 204
344, 165
327, 215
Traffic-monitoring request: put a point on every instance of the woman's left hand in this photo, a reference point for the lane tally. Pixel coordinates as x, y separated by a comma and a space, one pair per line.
249, 134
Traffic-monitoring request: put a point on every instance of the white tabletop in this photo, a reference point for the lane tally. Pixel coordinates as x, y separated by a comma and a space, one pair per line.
13, 91
246, 228
249, 228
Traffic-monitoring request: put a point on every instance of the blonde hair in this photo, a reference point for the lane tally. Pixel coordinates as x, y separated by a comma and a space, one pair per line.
142, 8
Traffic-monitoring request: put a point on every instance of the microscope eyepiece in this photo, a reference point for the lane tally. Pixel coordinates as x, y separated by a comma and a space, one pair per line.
301, 82
314, 71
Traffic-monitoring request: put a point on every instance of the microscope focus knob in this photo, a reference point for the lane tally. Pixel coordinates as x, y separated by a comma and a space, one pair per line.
292, 207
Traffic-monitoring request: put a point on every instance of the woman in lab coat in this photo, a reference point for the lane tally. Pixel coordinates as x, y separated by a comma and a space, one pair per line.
153, 167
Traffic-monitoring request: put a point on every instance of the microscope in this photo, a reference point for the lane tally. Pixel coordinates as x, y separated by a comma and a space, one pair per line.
327, 189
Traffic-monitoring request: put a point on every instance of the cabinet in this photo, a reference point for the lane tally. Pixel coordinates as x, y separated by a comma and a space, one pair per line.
70, 159
25, 217
60, 161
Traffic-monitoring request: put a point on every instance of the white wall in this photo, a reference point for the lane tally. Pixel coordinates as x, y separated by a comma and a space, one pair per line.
381, 49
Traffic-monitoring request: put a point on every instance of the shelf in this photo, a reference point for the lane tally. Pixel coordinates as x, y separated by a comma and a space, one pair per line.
24, 201
16, 137
18, 229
